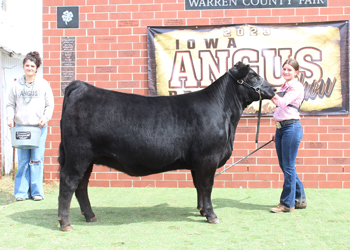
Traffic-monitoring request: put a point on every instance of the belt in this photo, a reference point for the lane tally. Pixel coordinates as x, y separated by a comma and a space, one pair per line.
284, 123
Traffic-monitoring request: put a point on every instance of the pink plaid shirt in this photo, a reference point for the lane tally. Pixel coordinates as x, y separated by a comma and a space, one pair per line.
294, 96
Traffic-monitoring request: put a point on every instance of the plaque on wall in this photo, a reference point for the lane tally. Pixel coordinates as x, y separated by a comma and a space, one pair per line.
68, 43
68, 17
68, 58
67, 74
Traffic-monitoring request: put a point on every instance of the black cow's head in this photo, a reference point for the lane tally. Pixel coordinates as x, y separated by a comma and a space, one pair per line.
244, 75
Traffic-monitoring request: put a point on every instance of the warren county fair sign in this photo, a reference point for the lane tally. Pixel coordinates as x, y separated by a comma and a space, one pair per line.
252, 4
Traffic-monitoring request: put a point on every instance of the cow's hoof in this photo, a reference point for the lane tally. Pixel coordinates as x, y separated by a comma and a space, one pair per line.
93, 219
214, 221
67, 228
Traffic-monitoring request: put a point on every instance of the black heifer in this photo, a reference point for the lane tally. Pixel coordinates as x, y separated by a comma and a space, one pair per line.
141, 135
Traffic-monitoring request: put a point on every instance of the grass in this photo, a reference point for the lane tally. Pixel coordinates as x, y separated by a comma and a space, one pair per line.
166, 218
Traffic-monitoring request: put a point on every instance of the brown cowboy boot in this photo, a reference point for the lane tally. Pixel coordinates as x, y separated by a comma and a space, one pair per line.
281, 209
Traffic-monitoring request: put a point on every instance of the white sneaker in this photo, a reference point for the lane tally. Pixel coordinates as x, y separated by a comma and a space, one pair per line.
38, 198
20, 199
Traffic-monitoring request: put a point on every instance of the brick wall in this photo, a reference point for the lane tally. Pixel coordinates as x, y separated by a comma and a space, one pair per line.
112, 34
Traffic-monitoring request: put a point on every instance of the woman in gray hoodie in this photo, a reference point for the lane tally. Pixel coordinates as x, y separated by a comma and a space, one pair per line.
30, 103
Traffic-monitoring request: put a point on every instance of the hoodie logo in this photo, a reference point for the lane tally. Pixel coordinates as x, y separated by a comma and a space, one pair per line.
29, 93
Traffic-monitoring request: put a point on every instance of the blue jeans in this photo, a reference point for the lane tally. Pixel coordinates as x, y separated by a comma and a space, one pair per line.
287, 140
29, 177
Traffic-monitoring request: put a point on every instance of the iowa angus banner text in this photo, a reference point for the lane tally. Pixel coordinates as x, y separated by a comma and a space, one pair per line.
186, 59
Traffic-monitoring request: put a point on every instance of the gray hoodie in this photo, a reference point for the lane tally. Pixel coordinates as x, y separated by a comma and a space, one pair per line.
28, 103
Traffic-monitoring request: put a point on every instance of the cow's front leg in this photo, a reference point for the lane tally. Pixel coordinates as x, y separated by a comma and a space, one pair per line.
205, 181
83, 198
199, 194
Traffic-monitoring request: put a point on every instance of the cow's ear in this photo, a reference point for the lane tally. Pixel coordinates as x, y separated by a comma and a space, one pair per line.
243, 72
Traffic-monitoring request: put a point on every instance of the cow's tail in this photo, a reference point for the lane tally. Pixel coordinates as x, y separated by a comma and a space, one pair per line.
71, 87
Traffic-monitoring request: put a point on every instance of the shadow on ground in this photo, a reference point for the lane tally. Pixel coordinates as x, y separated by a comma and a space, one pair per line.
113, 216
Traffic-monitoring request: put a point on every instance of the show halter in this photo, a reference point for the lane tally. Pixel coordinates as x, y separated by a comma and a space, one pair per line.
257, 90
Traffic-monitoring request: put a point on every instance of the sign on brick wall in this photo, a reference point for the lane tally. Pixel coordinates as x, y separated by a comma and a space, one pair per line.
252, 4
67, 62
68, 17
186, 59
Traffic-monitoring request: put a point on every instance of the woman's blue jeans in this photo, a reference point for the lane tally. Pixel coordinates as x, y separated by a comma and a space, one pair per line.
287, 140
29, 177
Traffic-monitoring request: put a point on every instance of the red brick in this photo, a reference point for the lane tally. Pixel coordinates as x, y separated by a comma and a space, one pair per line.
268, 19
98, 32
315, 177
119, 16
331, 11
331, 137
86, 9
236, 184
338, 177
166, 14
127, 8
128, 69
106, 54
311, 184
95, 183
98, 62
315, 161
74, 2
294, 19
97, 2
189, 14
185, 184
340, 3
307, 11
173, 6
120, 183
53, 3
105, 24
259, 12
99, 46
98, 77
106, 8
98, 16
259, 184
346, 184
338, 145
106, 85
166, 184
106, 176
225, 177
315, 18
244, 176
329, 184
265, 168
267, 177
144, 184
331, 169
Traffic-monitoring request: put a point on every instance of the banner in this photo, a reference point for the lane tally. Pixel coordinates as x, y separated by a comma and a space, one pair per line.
187, 59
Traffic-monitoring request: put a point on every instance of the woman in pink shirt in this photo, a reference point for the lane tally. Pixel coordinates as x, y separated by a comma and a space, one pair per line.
288, 137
